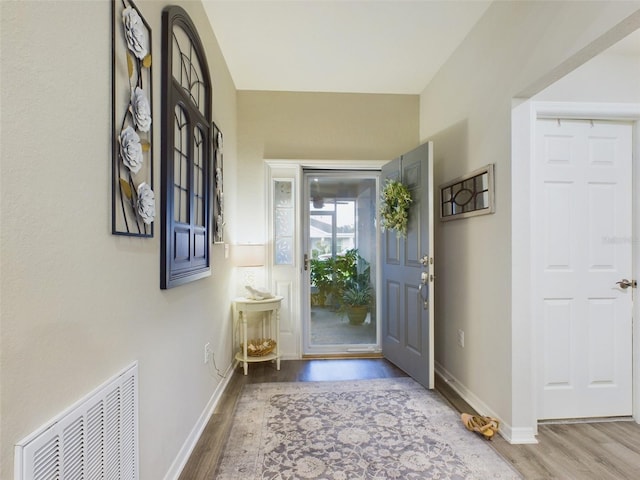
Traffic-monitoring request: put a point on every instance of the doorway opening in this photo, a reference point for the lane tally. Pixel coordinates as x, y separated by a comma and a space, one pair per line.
340, 245
525, 329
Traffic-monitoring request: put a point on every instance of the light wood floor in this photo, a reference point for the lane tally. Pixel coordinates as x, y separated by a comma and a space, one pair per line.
602, 451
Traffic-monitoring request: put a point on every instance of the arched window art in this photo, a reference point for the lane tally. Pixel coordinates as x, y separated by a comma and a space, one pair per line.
187, 148
133, 207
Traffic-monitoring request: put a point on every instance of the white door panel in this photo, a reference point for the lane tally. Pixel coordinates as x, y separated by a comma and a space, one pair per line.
582, 246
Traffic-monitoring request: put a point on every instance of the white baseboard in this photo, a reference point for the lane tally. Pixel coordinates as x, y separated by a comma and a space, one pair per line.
510, 434
185, 452
521, 436
290, 356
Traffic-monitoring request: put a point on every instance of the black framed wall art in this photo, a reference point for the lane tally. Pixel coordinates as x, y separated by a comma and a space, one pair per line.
133, 199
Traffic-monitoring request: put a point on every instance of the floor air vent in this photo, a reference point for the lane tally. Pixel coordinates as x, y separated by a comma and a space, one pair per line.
97, 438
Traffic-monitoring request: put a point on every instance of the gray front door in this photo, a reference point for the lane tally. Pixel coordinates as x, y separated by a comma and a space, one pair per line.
407, 271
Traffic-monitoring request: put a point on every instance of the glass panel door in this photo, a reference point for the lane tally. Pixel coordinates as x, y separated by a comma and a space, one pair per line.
340, 245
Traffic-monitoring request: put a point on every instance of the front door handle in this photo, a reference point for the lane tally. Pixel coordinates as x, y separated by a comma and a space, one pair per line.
424, 292
624, 284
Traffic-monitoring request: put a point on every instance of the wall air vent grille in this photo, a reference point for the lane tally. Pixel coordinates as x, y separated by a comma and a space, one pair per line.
97, 438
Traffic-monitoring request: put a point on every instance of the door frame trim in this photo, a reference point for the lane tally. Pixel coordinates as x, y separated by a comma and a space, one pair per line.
299, 165
524, 372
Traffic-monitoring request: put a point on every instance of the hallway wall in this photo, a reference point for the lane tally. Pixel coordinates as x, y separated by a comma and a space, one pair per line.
78, 303
516, 49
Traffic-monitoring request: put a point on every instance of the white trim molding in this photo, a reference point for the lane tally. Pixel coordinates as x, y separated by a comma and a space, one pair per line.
279, 169
328, 164
510, 434
587, 111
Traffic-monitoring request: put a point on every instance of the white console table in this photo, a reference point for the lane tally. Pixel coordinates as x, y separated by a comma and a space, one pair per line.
270, 319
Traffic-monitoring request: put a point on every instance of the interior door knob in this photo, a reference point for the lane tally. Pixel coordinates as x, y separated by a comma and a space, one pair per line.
624, 284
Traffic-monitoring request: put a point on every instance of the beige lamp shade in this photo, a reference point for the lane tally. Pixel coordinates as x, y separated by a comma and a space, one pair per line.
248, 255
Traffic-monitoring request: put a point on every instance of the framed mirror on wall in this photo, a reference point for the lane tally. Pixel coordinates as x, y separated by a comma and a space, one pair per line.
469, 195
187, 144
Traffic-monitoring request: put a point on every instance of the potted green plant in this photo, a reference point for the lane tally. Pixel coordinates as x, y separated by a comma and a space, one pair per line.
331, 277
321, 279
356, 300
356, 291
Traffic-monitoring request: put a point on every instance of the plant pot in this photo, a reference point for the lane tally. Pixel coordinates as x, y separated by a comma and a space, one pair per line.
317, 299
357, 314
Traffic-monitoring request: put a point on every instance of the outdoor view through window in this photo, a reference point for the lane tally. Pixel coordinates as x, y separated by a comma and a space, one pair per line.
342, 251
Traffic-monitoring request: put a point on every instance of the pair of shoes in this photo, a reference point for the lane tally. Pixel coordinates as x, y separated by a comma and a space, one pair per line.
485, 426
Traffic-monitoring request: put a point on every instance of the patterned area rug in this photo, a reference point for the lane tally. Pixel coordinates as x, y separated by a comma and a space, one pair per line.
366, 429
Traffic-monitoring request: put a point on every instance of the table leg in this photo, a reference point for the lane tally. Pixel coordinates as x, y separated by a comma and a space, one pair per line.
278, 338
243, 318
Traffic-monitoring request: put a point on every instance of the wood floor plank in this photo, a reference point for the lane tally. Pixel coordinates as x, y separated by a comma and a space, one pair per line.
575, 450
625, 433
580, 451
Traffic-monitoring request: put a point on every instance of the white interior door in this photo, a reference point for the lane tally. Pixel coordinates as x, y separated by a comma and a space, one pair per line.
582, 248
407, 271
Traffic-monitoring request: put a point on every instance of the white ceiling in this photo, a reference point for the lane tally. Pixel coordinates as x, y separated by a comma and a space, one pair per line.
356, 46
365, 46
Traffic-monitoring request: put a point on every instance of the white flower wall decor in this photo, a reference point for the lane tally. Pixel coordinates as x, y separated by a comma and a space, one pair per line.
146, 206
133, 199
131, 149
135, 32
140, 109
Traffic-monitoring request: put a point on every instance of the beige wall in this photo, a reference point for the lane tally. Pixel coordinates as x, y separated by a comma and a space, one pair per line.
79, 304
610, 77
466, 110
324, 126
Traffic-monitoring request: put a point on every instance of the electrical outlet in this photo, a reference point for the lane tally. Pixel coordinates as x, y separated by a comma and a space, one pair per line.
461, 338
207, 352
